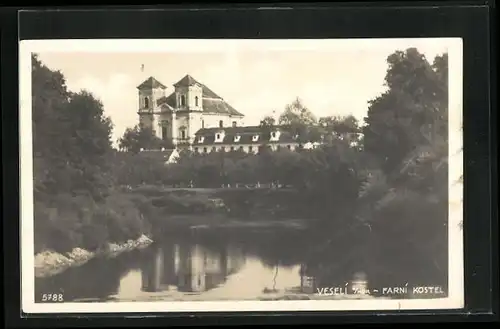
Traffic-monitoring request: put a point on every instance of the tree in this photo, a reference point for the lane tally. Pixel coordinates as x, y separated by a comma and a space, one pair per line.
336, 127
406, 202
299, 120
268, 121
401, 117
142, 137
297, 113
266, 125
71, 137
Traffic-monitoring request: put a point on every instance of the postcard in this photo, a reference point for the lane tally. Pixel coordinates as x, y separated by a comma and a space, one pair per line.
241, 175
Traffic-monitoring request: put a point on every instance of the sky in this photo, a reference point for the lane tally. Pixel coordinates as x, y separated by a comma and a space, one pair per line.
337, 79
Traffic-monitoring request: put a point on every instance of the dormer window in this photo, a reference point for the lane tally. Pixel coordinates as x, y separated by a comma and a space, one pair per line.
219, 137
275, 135
146, 102
221, 124
183, 100
255, 138
201, 139
196, 101
237, 138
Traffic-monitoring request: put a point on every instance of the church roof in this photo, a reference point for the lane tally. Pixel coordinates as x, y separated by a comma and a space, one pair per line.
212, 103
151, 83
186, 81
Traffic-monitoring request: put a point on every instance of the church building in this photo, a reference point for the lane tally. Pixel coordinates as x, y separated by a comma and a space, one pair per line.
194, 117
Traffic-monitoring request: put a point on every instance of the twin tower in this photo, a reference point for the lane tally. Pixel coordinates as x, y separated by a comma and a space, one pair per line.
179, 114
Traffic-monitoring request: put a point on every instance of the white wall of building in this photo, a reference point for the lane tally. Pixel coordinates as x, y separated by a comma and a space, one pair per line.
247, 148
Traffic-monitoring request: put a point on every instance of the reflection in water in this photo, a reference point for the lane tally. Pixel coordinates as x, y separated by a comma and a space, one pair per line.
208, 266
189, 267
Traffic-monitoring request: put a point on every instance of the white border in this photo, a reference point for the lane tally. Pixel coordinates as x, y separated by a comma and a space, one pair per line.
456, 287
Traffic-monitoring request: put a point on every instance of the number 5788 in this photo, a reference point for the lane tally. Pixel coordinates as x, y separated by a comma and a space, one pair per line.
52, 298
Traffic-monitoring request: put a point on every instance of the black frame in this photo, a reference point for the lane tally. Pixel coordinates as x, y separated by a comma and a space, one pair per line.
471, 21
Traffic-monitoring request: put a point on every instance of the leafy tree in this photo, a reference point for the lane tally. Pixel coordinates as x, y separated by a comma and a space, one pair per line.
268, 121
408, 198
142, 137
71, 136
336, 127
266, 124
400, 118
299, 120
297, 113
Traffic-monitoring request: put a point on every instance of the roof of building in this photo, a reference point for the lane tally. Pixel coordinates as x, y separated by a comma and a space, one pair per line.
186, 81
157, 154
246, 136
212, 103
151, 83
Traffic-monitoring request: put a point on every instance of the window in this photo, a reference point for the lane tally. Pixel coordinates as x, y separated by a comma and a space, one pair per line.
183, 100
146, 102
196, 150
202, 138
205, 150
289, 147
273, 135
214, 149
232, 148
183, 134
164, 132
250, 149
217, 136
202, 123
255, 138
237, 138
221, 124
234, 123
241, 148
196, 101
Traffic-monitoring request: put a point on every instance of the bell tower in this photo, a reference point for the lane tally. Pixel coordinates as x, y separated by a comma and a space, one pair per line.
150, 91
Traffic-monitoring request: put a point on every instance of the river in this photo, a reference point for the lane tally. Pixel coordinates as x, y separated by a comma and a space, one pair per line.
207, 265
188, 266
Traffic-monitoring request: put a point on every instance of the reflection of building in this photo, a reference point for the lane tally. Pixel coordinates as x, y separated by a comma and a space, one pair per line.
187, 267
308, 283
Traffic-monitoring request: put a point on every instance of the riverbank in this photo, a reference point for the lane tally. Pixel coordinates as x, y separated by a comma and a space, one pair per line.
49, 263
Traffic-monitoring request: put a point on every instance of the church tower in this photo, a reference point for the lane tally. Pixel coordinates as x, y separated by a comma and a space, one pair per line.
150, 91
189, 102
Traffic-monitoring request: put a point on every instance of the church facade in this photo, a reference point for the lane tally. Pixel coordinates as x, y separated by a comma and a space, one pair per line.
194, 117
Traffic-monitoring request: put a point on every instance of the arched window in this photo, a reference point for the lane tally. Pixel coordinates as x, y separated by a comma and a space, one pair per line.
146, 102
183, 100
221, 124
196, 101
183, 134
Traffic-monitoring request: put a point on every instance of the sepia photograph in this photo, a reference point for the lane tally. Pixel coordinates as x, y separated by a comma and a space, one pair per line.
241, 175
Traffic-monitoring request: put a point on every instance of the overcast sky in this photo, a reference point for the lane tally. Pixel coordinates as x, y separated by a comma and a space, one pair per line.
255, 80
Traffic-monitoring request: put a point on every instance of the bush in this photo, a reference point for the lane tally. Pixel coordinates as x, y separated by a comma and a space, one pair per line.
77, 221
